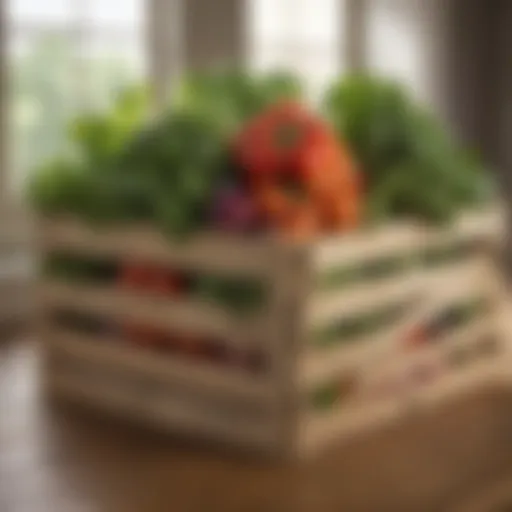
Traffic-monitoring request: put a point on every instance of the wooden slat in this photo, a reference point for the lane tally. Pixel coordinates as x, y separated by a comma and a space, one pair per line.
463, 337
501, 315
177, 417
207, 252
236, 255
440, 348
388, 241
459, 278
404, 237
462, 381
321, 430
168, 368
290, 290
320, 365
402, 367
174, 315
318, 431
490, 224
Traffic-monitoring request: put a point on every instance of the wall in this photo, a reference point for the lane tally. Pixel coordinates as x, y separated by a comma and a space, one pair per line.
213, 33
503, 105
469, 59
454, 55
164, 44
479, 75
195, 34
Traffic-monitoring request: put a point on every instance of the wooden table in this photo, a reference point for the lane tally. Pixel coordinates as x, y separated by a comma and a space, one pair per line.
60, 459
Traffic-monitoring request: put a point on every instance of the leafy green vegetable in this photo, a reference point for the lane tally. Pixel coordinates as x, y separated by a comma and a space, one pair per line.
124, 167
178, 158
231, 98
84, 182
60, 186
99, 136
411, 165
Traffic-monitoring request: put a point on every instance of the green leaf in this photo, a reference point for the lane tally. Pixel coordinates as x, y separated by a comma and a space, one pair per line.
412, 165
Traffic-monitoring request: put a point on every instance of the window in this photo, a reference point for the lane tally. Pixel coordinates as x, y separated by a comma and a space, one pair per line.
400, 38
65, 56
299, 35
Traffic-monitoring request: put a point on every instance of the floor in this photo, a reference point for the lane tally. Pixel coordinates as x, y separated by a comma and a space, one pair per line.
54, 458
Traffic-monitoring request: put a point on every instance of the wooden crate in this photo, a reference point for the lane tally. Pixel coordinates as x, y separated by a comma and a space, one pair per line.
338, 330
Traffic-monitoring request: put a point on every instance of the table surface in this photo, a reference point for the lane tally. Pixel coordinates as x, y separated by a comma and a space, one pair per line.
59, 459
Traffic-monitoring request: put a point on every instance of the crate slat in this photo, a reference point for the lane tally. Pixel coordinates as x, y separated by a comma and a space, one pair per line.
462, 337
459, 382
345, 422
207, 252
318, 365
460, 278
322, 430
403, 237
177, 315
104, 351
167, 415
402, 366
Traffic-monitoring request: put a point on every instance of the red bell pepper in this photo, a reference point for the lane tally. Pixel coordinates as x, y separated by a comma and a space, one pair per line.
273, 142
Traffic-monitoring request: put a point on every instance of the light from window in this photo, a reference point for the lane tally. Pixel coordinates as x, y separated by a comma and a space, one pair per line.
40, 12
67, 55
298, 35
397, 45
